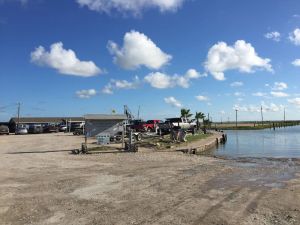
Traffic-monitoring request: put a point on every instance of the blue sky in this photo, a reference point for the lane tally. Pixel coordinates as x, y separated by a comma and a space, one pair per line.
69, 58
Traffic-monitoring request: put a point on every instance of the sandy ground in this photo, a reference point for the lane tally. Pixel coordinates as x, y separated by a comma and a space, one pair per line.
40, 183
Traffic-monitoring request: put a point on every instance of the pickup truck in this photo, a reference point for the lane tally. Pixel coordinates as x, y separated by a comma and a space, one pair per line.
176, 124
151, 125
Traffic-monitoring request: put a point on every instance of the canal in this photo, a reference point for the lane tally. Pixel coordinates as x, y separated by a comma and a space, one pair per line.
281, 143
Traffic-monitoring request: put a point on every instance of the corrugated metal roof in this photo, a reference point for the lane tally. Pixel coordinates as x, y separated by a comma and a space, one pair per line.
45, 119
105, 117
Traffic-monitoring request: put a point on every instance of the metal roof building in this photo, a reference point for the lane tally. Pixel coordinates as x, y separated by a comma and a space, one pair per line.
38, 120
96, 124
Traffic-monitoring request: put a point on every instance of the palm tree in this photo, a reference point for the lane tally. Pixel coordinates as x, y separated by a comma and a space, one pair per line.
186, 113
199, 115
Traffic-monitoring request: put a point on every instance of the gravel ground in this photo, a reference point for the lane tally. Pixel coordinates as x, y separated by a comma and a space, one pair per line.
41, 183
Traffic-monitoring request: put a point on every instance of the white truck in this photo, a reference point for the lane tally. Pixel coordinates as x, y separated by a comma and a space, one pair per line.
176, 124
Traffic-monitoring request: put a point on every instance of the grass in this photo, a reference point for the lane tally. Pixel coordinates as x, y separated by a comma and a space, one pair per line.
166, 143
197, 137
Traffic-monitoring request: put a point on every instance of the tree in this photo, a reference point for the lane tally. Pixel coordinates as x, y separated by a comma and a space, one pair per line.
198, 116
186, 113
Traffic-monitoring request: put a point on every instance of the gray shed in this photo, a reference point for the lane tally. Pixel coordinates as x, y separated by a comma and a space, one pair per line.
96, 124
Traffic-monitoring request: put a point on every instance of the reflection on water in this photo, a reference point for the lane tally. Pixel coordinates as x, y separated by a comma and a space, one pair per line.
281, 143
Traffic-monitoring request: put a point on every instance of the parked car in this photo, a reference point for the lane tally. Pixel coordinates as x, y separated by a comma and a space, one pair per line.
63, 128
51, 129
176, 124
75, 126
35, 129
21, 130
78, 132
4, 130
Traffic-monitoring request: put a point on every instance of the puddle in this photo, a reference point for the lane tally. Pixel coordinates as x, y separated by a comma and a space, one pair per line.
258, 172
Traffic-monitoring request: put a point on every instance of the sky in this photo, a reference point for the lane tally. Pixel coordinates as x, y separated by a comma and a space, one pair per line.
75, 57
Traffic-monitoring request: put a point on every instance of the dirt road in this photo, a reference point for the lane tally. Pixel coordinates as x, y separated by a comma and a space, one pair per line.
40, 186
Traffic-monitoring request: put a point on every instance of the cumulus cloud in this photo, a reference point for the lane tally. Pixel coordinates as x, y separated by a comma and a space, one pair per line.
259, 94
138, 50
202, 98
275, 36
295, 101
108, 89
134, 7
86, 93
272, 107
279, 86
279, 94
64, 61
237, 84
241, 56
161, 80
295, 37
120, 84
296, 62
238, 94
173, 102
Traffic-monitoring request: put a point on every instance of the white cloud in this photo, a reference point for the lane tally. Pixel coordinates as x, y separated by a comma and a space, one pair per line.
296, 62
159, 80
295, 37
275, 36
279, 94
173, 102
272, 107
238, 94
120, 84
138, 50
65, 61
130, 6
237, 84
279, 86
242, 56
259, 94
295, 101
202, 98
108, 89
162, 81
86, 93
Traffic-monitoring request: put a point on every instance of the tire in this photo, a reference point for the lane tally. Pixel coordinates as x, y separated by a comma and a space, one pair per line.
138, 137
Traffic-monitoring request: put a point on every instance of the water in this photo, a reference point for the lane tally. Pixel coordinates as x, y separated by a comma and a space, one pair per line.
281, 143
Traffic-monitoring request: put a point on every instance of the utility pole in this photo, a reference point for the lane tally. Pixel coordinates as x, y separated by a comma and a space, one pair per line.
262, 117
236, 118
138, 116
19, 106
